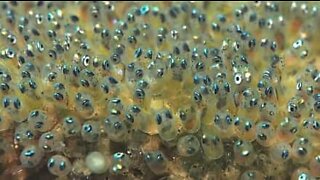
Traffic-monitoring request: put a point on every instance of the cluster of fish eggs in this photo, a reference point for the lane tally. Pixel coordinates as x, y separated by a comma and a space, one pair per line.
160, 90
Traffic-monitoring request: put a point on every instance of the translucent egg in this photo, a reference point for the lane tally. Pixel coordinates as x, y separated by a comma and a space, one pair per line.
71, 126
28, 86
13, 109
305, 86
156, 69
87, 78
49, 73
5, 88
115, 128
302, 150
115, 106
60, 94
301, 173
23, 134
142, 84
268, 111
252, 175
156, 161
221, 87
243, 153
59, 165
5, 74
203, 93
90, 131
266, 89
223, 122
97, 162
120, 163
212, 147
280, 152
109, 87
133, 112
316, 106
249, 99
287, 129
31, 156
166, 125
311, 128
177, 67
139, 94
142, 119
84, 105
188, 145
264, 133
135, 72
38, 120
314, 166
189, 120
294, 106
51, 141
30, 67
197, 96
245, 128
